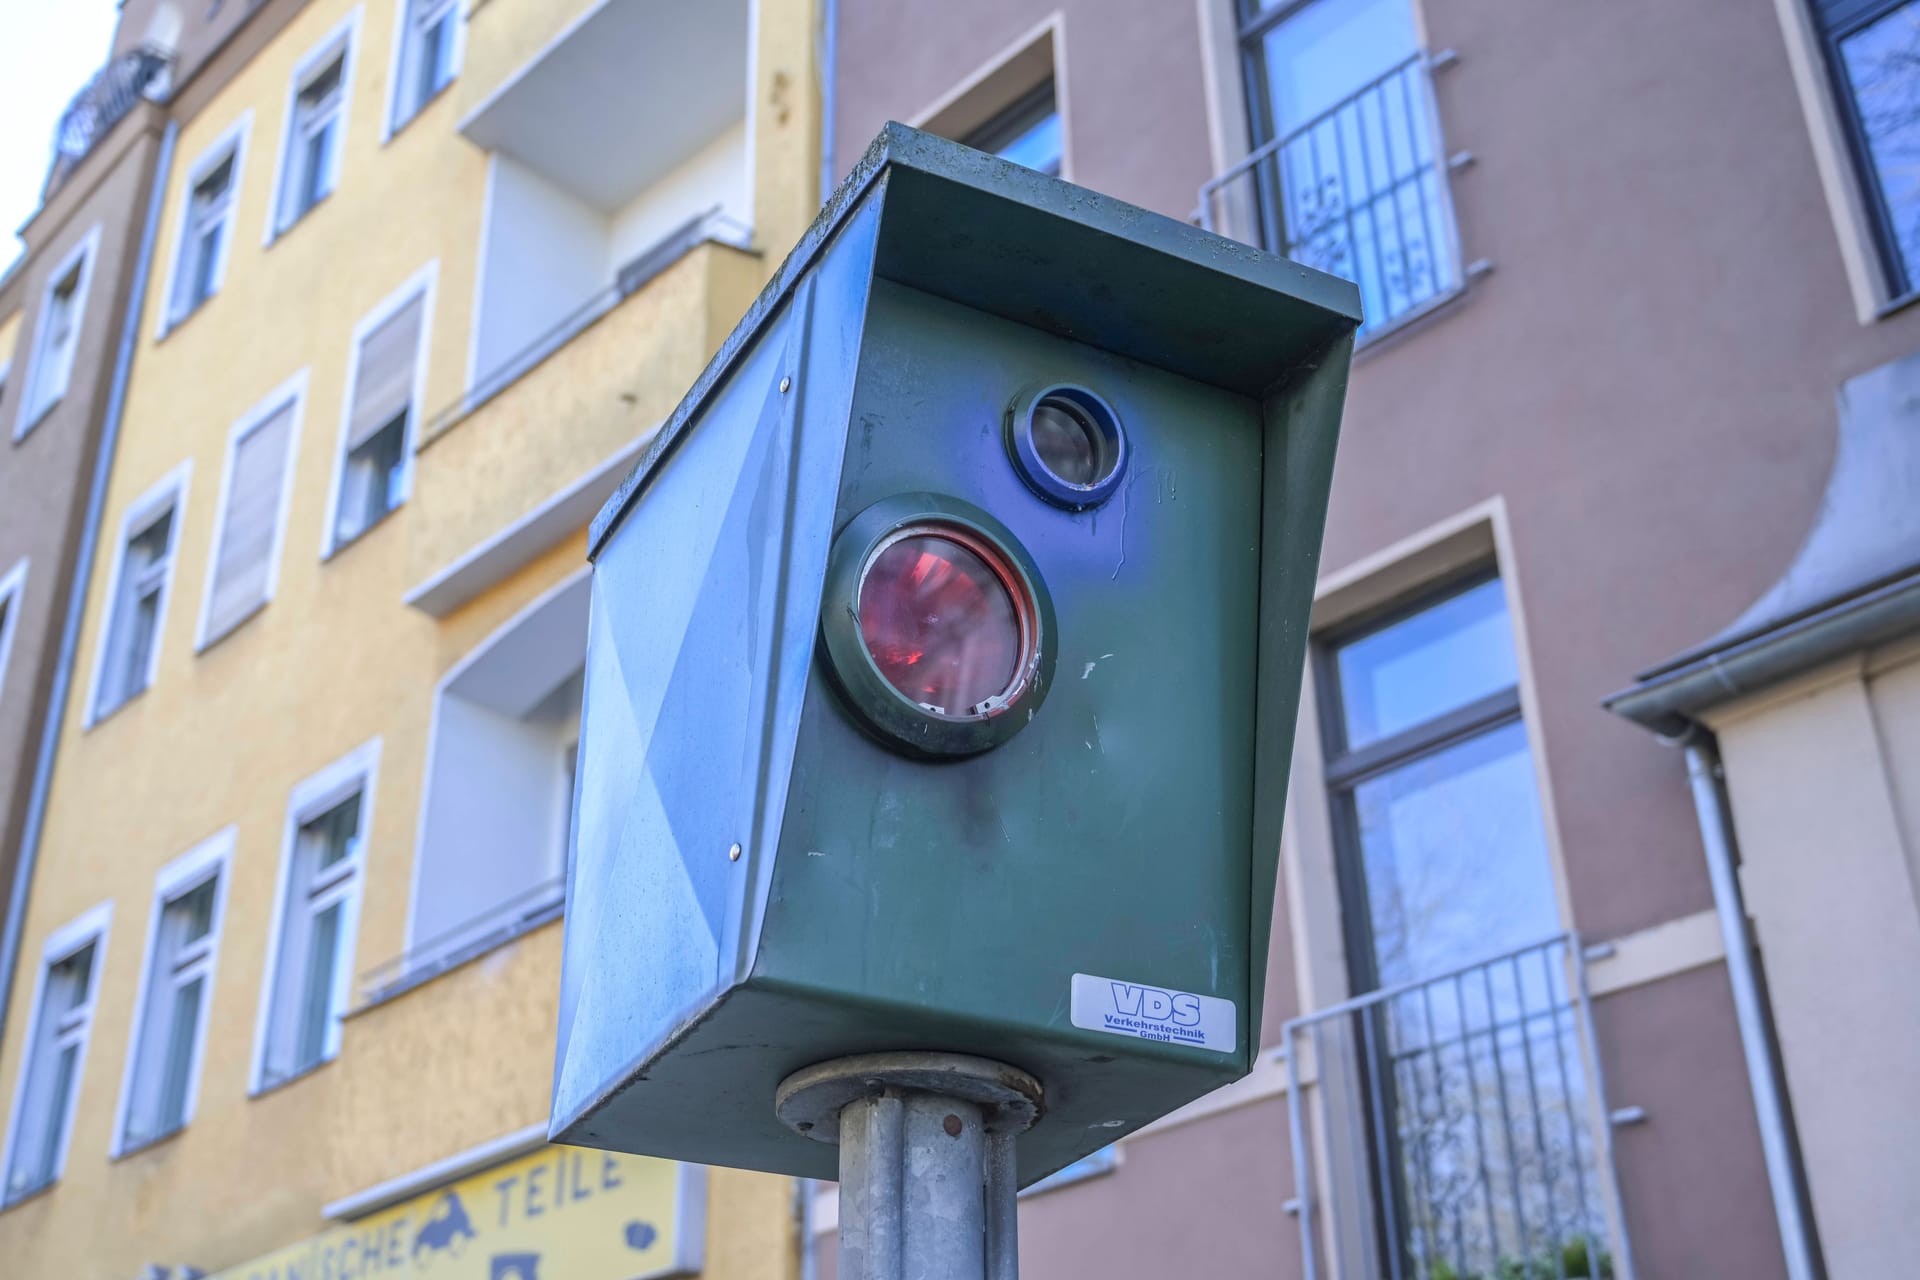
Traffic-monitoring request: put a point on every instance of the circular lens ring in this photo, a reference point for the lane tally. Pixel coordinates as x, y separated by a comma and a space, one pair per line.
945, 659
1040, 439
893, 715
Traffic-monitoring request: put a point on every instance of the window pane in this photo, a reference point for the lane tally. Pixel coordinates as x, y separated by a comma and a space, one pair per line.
330, 837
1454, 858
1039, 147
178, 1062
211, 188
436, 59
1883, 67
1419, 667
317, 167
149, 547
316, 1001
68, 981
142, 621
60, 310
206, 253
1330, 49
193, 913
319, 88
46, 1160
177, 988
1027, 133
373, 483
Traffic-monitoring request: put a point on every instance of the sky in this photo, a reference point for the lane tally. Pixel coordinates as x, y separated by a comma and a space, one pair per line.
48, 50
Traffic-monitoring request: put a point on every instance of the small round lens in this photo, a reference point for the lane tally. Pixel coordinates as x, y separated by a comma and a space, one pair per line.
1067, 442
940, 624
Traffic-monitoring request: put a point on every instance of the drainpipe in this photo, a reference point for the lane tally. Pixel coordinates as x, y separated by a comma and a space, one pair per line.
82, 571
803, 1222
829, 61
1756, 1026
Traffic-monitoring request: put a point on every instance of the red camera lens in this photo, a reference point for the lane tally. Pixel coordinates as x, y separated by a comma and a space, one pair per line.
941, 623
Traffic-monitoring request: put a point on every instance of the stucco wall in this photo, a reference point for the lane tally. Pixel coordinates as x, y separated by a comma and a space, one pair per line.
1824, 776
334, 660
44, 475
613, 384
1645, 380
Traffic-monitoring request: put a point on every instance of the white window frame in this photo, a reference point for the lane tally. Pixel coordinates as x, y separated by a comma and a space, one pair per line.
356, 772
169, 491
401, 66
210, 860
13, 590
231, 144
343, 42
91, 927
292, 392
423, 284
37, 400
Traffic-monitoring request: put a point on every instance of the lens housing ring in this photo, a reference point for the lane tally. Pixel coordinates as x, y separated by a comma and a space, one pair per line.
1088, 409
882, 709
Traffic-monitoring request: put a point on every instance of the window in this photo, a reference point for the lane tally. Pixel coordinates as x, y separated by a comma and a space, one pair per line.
1452, 921
1873, 47
206, 224
13, 585
1444, 858
1026, 133
427, 55
492, 856
316, 126
6, 371
169, 1032
57, 335
44, 1100
1355, 181
1105, 1160
376, 452
137, 596
252, 519
307, 981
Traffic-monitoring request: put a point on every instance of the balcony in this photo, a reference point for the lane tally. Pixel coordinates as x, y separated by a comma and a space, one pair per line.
114, 91
631, 113
1359, 191
526, 456
1455, 1128
484, 1032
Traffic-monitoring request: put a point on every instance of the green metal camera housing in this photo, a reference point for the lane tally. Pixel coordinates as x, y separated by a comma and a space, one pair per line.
766, 873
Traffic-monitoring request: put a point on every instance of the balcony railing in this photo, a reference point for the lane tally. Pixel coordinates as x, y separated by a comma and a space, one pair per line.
1455, 1130
1359, 191
102, 104
524, 911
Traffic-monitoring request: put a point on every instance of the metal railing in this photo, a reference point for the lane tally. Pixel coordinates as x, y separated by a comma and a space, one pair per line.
1359, 191
524, 911
102, 104
1454, 1128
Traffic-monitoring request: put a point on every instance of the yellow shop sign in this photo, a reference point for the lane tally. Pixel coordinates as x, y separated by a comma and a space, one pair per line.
562, 1213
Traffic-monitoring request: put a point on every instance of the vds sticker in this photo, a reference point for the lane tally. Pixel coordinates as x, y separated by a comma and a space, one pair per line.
1154, 1013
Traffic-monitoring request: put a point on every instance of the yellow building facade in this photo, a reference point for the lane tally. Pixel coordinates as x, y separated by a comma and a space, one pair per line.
425, 279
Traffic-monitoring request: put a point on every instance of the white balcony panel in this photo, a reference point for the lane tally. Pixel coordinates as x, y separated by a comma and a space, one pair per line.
624, 97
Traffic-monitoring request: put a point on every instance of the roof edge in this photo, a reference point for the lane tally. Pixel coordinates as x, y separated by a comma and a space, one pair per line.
1668, 701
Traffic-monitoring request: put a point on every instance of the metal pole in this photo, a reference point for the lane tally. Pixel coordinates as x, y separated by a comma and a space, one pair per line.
927, 1168
1750, 1010
1003, 1227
